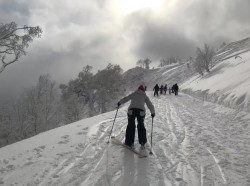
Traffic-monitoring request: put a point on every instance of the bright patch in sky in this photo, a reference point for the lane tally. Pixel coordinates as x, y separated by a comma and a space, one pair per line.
130, 6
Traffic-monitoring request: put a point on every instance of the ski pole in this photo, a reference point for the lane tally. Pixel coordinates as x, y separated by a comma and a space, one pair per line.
151, 137
113, 123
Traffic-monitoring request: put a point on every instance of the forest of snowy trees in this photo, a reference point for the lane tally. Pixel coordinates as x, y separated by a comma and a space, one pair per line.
48, 105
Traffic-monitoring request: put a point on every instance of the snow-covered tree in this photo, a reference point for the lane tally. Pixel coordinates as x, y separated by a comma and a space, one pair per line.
20, 115
109, 86
204, 59
14, 40
140, 63
41, 104
37, 110
78, 97
90, 94
6, 125
168, 61
144, 63
48, 102
87, 87
147, 62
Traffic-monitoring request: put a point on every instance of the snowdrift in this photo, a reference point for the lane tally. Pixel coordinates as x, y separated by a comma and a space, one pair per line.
228, 82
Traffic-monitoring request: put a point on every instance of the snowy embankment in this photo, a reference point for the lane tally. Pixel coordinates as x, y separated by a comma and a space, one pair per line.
228, 83
170, 74
195, 143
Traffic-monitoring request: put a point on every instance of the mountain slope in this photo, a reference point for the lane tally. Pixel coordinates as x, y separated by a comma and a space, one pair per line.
228, 82
194, 143
169, 75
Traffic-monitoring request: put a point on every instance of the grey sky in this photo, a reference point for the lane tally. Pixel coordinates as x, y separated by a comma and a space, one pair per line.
97, 32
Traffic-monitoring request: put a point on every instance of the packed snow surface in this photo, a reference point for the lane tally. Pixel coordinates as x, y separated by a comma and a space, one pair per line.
195, 143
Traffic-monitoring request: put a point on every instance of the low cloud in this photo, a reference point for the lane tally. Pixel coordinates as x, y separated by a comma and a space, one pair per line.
79, 33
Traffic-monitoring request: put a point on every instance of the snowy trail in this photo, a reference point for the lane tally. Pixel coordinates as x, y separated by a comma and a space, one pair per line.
195, 143
192, 146
199, 144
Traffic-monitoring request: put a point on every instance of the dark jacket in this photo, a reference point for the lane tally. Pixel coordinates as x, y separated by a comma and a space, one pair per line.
156, 88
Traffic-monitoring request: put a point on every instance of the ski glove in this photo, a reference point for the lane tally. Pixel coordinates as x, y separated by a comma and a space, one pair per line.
118, 104
153, 115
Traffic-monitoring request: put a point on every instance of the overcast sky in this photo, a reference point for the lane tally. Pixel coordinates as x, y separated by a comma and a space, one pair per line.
77, 33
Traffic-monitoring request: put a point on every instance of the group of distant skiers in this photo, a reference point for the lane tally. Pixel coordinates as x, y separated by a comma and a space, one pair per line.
163, 89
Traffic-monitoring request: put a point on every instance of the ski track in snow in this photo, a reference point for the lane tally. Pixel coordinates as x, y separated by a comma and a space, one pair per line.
195, 143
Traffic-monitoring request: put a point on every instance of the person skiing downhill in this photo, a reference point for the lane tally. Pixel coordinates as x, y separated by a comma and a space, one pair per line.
136, 109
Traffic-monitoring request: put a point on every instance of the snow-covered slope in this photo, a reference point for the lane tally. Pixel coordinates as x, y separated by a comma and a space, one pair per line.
169, 75
233, 49
194, 142
228, 83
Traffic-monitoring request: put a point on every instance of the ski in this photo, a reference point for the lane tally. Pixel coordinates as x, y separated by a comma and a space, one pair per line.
119, 142
139, 153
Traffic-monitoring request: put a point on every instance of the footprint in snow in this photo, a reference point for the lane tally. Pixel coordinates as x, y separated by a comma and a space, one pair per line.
63, 142
55, 176
42, 147
81, 133
66, 140
5, 161
10, 167
65, 137
30, 158
178, 179
80, 145
28, 163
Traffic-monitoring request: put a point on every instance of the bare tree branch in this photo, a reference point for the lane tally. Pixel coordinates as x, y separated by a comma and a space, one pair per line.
13, 42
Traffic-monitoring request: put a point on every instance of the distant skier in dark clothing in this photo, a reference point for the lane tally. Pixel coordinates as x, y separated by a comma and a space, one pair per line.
161, 89
156, 90
136, 109
176, 89
165, 89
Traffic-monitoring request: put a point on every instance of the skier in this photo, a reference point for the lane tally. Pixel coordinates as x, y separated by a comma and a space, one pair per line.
175, 88
165, 89
161, 89
156, 90
136, 109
